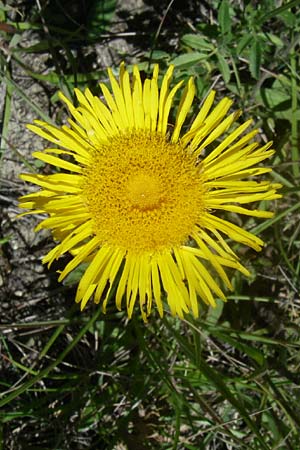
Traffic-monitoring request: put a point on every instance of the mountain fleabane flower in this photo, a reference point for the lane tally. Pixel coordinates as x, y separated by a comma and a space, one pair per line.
141, 201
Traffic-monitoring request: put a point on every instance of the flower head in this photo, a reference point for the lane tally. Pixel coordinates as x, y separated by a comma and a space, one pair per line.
139, 200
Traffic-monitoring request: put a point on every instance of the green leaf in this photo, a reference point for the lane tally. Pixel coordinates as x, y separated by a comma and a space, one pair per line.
11, 84
7, 96
99, 16
224, 17
243, 43
157, 55
223, 67
289, 19
75, 275
4, 240
255, 59
224, 388
197, 42
27, 384
41, 46
213, 314
278, 99
275, 40
188, 59
281, 12
252, 352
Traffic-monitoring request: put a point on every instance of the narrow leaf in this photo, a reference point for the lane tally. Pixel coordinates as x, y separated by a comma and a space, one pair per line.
224, 17
255, 59
188, 59
197, 42
223, 67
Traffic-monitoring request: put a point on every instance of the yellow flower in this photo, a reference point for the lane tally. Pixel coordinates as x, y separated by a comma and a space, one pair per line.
138, 199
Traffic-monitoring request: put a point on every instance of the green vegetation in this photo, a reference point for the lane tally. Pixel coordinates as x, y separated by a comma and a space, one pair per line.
229, 380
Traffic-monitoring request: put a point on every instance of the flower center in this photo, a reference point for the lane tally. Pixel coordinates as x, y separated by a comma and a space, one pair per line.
144, 192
